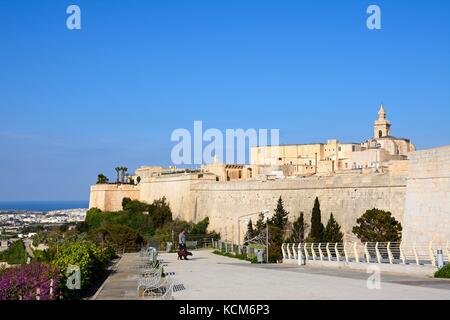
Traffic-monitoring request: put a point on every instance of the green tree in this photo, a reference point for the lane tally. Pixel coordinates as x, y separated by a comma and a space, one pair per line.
298, 230
15, 254
317, 228
260, 223
200, 228
378, 226
250, 234
123, 238
160, 212
333, 232
135, 206
138, 179
125, 202
102, 179
280, 218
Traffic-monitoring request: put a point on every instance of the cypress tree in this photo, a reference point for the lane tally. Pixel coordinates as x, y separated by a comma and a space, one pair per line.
250, 232
298, 230
260, 224
317, 229
280, 218
333, 232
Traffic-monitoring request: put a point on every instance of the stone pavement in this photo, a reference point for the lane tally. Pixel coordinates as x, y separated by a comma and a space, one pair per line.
209, 276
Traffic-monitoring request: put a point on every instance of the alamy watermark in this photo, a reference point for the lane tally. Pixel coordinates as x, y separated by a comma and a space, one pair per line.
374, 280
73, 274
73, 22
212, 144
374, 20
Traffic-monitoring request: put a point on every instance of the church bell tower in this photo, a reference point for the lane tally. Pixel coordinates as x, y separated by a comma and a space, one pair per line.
382, 127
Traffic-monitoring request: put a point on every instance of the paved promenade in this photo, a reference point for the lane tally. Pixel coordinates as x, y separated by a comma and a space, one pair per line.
209, 276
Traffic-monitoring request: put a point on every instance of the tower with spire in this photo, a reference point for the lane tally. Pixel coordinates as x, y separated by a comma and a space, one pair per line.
382, 127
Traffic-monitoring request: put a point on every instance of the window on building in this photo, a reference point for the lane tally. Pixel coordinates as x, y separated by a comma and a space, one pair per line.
380, 134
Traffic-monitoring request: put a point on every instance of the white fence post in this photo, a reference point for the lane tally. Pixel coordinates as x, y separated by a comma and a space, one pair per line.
320, 252
338, 256
345, 252
282, 250
377, 251
391, 257
329, 252
432, 257
306, 251
288, 251
402, 254
416, 256
355, 251
366, 251
312, 251
294, 253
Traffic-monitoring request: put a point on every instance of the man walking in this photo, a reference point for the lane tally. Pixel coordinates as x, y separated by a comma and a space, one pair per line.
182, 240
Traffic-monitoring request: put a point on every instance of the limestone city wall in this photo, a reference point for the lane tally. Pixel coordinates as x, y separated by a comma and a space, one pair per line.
427, 203
417, 192
108, 197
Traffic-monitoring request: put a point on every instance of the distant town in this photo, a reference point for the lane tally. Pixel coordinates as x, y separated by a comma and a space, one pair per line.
13, 221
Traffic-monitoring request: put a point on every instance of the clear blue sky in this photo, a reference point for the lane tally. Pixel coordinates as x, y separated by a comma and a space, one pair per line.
76, 103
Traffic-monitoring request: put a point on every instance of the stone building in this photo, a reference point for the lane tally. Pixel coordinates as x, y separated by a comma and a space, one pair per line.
332, 157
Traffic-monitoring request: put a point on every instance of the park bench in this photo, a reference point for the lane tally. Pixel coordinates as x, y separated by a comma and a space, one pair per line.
191, 244
163, 290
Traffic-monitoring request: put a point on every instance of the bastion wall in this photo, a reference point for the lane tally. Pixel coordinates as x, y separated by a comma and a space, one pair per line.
417, 193
427, 203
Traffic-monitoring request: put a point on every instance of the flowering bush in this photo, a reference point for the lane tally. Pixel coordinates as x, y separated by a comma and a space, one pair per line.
90, 258
23, 282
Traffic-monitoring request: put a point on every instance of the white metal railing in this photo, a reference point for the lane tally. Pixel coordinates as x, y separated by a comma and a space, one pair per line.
368, 252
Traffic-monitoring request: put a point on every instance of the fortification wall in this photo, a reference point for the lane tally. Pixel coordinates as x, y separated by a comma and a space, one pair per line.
427, 204
176, 189
108, 197
417, 192
347, 197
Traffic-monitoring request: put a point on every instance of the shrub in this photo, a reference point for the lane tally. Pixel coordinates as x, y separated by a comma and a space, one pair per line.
443, 272
90, 258
22, 282
120, 237
16, 254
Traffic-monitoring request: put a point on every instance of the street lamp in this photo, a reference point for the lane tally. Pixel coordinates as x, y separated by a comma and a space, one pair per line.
265, 212
266, 215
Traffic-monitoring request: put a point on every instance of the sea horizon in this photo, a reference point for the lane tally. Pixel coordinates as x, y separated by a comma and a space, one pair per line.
39, 205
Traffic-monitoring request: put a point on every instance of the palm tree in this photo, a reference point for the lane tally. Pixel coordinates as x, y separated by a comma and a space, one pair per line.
118, 169
124, 173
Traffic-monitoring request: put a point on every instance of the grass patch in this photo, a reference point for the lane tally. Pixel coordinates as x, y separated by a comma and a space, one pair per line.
241, 256
443, 272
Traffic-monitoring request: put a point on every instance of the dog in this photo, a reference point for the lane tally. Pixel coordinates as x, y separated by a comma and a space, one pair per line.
183, 254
